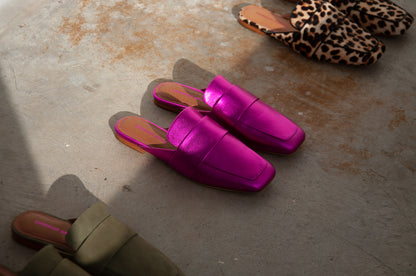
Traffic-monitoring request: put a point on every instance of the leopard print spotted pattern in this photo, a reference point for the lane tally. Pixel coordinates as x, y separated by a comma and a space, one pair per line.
324, 33
380, 17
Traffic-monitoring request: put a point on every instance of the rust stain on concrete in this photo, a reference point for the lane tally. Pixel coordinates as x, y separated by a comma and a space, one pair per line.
84, 3
111, 26
322, 99
349, 159
363, 154
406, 161
126, 29
135, 47
399, 118
73, 27
346, 167
327, 101
121, 7
410, 167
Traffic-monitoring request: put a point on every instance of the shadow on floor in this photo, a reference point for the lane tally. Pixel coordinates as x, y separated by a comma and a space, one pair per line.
332, 219
18, 174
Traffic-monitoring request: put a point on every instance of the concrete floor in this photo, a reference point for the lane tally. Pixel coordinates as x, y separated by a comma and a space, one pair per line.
344, 204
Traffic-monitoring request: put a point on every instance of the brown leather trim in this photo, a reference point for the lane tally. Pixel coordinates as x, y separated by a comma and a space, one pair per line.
42, 228
267, 19
182, 95
143, 131
5, 272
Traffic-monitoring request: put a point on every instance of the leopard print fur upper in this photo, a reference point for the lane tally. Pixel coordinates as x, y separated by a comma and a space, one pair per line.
380, 17
324, 33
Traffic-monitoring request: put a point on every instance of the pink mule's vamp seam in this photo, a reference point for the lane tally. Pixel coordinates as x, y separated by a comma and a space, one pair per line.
209, 144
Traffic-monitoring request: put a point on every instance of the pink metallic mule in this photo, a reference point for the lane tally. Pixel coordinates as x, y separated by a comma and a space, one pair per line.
257, 124
199, 148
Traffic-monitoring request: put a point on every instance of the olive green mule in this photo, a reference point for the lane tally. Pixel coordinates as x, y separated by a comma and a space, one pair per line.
96, 241
47, 262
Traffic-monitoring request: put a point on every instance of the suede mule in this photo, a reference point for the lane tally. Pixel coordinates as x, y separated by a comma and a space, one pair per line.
316, 29
380, 17
47, 262
95, 241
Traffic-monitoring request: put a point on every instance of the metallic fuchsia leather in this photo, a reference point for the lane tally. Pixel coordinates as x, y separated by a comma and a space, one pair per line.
262, 126
254, 122
209, 154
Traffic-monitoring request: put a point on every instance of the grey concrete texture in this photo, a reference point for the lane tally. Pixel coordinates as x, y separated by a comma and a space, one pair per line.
344, 204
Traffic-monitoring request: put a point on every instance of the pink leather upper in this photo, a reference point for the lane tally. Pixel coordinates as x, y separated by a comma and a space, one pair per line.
207, 153
263, 126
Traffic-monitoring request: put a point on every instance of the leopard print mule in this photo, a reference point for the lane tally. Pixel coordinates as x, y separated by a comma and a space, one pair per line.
316, 29
380, 17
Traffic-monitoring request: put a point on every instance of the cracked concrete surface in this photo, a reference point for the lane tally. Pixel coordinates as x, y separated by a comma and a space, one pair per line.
344, 204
